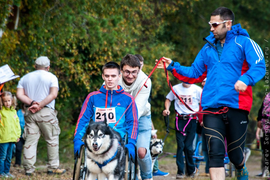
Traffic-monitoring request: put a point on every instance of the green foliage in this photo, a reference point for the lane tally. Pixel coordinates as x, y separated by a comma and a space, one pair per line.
80, 36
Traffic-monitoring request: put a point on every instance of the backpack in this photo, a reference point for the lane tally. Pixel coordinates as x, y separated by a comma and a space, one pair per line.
266, 114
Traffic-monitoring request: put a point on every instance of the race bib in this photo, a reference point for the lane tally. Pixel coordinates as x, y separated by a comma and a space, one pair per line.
108, 113
186, 98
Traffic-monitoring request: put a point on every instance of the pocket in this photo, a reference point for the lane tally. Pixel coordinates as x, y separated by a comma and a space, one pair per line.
46, 115
29, 132
56, 129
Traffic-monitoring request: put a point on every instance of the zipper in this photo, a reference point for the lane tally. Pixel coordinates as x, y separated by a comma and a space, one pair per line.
211, 44
111, 98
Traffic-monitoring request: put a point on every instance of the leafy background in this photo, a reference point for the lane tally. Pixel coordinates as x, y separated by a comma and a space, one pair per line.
80, 36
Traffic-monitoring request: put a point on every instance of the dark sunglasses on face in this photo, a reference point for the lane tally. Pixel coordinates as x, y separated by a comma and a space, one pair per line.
215, 24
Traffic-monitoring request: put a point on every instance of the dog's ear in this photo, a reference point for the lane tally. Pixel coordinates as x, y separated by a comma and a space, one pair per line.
153, 141
105, 121
91, 121
88, 129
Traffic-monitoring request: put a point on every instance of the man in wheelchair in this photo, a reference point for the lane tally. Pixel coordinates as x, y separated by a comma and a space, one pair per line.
112, 104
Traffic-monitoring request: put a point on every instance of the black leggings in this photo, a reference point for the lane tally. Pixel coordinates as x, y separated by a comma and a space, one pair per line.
233, 126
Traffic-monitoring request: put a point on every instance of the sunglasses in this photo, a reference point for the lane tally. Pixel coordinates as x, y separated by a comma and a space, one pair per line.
215, 24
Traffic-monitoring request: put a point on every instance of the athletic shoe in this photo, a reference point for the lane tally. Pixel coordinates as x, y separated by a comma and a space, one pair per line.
28, 174
195, 173
3, 175
160, 173
259, 175
56, 171
180, 176
10, 175
242, 174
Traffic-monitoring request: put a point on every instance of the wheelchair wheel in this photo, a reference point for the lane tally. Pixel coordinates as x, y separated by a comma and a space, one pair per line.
79, 172
127, 167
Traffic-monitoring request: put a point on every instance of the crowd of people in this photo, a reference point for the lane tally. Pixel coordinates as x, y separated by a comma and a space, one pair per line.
232, 64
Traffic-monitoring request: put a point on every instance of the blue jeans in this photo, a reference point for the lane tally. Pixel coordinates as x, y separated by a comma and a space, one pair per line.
5, 156
185, 144
143, 140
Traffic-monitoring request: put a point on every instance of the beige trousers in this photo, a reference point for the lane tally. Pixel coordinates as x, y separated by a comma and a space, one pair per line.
43, 122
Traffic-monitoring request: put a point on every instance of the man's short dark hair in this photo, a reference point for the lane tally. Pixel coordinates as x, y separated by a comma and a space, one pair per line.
224, 13
111, 65
130, 60
140, 57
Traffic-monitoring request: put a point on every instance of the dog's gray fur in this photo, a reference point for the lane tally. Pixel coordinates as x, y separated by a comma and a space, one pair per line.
156, 148
102, 142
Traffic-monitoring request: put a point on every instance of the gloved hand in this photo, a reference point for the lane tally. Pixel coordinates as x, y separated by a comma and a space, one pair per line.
77, 146
131, 150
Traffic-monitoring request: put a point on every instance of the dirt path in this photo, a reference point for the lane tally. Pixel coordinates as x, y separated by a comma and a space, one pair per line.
166, 164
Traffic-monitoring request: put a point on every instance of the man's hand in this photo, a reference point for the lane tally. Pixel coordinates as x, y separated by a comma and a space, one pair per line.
35, 107
240, 86
168, 61
201, 124
77, 146
166, 112
154, 133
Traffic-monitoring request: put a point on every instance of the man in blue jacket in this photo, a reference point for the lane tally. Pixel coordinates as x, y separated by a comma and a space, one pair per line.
111, 98
233, 63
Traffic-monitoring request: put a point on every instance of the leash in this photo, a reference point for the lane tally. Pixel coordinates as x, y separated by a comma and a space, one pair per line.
144, 85
221, 111
167, 123
168, 127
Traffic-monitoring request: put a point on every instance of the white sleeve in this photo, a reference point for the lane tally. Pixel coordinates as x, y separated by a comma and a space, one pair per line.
20, 84
54, 82
170, 96
142, 98
199, 94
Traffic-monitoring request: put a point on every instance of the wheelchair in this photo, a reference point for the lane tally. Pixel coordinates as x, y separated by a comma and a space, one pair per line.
80, 167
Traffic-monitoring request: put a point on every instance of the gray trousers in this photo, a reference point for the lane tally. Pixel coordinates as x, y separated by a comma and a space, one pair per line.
43, 122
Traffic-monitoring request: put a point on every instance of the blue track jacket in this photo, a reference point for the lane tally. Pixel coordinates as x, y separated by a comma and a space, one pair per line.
120, 105
241, 59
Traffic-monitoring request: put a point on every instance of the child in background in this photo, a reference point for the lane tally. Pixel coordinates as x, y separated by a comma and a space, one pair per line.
10, 131
19, 145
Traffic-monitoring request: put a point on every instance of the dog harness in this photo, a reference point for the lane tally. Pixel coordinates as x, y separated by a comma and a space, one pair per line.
107, 161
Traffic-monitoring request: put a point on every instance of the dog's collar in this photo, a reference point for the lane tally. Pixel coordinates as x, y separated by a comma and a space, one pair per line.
154, 155
107, 161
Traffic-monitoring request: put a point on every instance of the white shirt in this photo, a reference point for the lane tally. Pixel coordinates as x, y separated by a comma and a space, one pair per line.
191, 96
143, 106
37, 85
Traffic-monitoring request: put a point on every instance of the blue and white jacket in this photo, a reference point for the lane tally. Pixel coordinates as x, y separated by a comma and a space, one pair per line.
124, 107
241, 59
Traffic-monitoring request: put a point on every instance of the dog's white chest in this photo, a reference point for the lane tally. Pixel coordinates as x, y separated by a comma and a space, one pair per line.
109, 168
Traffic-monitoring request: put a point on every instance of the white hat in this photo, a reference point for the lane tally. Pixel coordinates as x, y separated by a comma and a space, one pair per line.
204, 79
43, 61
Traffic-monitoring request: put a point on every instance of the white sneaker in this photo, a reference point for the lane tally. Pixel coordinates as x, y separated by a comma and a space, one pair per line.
180, 176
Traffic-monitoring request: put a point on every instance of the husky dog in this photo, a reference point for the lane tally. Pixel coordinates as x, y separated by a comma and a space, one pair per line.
105, 152
156, 148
